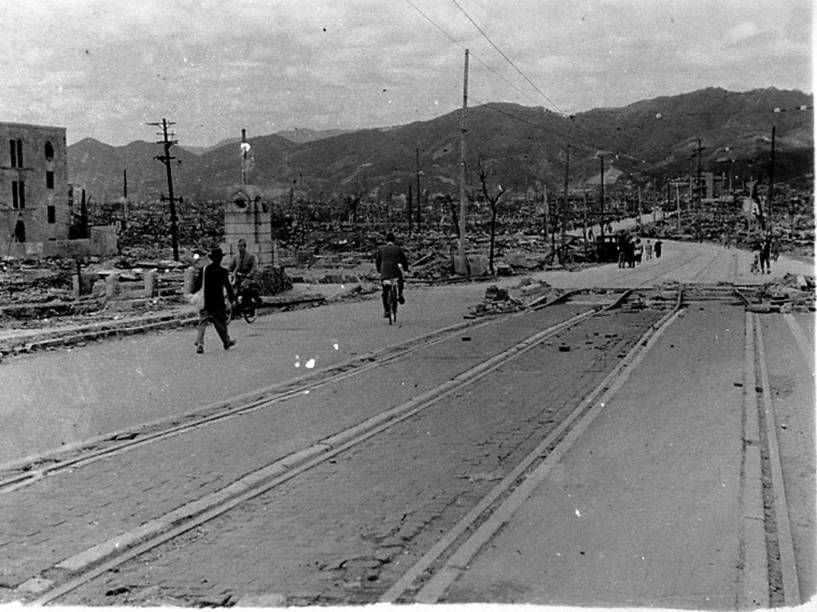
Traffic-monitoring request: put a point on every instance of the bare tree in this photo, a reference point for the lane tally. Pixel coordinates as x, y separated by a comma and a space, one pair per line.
493, 200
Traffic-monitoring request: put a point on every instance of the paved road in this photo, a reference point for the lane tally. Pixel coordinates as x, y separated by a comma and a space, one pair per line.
66, 396
114, 385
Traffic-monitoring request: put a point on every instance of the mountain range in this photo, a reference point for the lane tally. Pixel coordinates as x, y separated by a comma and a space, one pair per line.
518, 147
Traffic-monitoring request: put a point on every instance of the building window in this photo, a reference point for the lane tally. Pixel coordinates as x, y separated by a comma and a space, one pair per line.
49, 151
52, 214
16, 152
49, 179
18, 195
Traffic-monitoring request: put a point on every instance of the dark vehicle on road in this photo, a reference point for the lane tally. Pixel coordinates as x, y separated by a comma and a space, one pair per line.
607, 249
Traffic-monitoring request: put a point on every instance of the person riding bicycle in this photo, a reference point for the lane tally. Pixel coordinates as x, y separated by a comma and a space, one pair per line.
391, 262
243, 267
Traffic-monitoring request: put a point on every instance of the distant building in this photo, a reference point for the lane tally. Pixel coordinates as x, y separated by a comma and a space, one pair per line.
34, 203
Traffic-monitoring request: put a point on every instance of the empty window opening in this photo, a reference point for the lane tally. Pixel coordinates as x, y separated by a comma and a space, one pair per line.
16, 152
52, 214
49, 151
18, 195
49, 179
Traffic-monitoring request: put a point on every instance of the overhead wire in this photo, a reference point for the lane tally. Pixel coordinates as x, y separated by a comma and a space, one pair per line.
571, 117
507, 59
455, 41
476, 57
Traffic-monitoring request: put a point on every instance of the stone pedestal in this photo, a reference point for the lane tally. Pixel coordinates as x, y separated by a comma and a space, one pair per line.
247, 217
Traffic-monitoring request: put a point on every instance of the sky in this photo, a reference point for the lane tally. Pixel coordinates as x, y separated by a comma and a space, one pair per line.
105, 69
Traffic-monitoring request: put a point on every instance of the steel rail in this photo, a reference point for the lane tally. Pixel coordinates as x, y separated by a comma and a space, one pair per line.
33, 469
424, 584
782, 528
93, 562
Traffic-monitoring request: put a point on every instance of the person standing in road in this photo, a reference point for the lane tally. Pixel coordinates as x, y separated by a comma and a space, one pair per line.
391, 262
216, 281
648, 249
765, 248
658, 245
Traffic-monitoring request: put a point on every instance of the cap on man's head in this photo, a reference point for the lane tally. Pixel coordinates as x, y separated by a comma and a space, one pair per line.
242, 242
390, 237
216, 255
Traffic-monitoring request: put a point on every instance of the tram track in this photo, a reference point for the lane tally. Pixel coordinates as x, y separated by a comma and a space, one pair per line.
67, 575
770, 574
21, 473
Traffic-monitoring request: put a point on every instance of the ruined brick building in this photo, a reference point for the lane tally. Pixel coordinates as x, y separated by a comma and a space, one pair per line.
34, 202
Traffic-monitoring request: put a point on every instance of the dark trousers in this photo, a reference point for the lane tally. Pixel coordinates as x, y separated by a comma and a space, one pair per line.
219, 320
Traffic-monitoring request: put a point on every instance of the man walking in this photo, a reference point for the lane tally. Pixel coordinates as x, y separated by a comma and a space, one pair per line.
216, 281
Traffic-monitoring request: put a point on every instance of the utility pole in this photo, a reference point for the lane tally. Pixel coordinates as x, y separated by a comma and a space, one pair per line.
698, 196
601, 185
564, 201
125, 195
166, 159
409, 211
462, 165
546, 214
771, 182
244, 150
678, 207
417, 151
584, 220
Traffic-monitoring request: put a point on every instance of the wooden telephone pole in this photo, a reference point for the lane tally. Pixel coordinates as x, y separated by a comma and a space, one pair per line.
166, 159
461, 254
601, 185
419, 195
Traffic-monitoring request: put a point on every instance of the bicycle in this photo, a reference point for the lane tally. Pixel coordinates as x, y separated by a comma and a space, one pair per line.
390, 288
246, 301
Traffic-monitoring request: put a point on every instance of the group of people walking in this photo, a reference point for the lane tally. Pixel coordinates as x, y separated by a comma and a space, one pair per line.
631, 251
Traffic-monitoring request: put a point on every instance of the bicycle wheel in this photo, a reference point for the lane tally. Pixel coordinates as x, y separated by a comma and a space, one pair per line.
249, 312
393, 304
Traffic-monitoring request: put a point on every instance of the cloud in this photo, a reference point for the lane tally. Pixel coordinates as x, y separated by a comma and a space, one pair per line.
748, 34
104, 67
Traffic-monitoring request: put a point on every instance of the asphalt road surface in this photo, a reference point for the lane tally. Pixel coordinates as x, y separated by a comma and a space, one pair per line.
581, 454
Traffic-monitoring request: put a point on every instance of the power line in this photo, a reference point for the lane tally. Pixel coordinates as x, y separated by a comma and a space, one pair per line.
455, 41
502, 53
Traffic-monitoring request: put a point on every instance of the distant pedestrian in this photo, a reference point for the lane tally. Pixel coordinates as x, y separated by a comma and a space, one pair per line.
658, 246
639, 251
765, 255
622, 250
216, 281
648, 249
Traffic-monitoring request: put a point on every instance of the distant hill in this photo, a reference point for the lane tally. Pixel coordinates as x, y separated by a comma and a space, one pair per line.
524, 147
301, 135
203, 150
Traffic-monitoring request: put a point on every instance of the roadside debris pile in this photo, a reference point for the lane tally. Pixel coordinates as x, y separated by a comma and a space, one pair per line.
497, 301
789, 294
